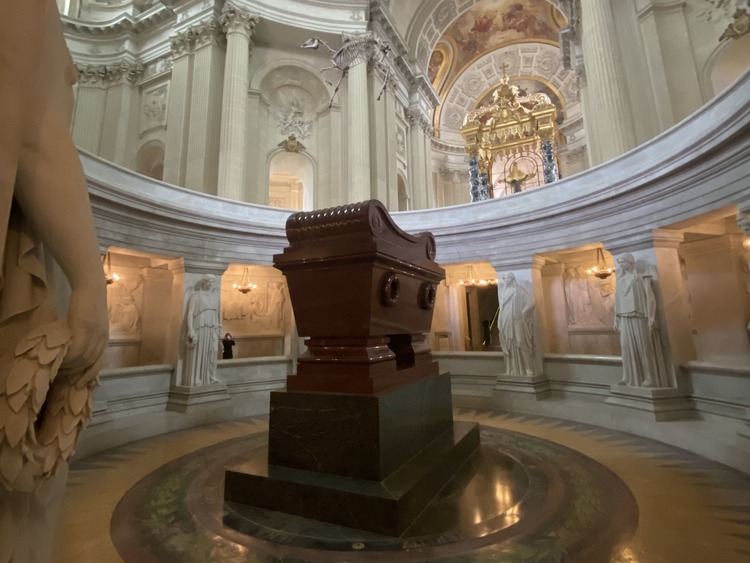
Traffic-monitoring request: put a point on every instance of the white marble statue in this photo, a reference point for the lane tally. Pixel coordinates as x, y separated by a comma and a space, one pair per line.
48, 366
203, 334
516, 324
636, 321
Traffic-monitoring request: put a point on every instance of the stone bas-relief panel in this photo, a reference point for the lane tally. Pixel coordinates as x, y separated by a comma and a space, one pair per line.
154, 108
590, 301
124, 302
259, 320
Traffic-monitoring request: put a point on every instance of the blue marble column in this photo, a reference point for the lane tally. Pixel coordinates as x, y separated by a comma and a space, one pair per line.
549, 161
478, 183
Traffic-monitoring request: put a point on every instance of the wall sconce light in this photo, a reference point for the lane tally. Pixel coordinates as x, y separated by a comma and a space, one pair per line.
600, 270
244, 286
109, 276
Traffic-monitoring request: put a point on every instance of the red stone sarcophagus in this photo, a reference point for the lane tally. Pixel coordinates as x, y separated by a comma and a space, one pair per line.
363, 293
364, 434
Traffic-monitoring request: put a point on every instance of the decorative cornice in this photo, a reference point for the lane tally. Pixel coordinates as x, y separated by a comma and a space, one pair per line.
124, 71
237, 20
380, 20
439, 145
122, 24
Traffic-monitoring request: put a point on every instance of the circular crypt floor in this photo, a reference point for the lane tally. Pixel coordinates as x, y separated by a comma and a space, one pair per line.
540, 490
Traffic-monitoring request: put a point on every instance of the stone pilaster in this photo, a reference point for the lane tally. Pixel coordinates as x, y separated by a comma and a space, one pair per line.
178, 109
612, 129
238, 24
669, 56
420, 159
358, 133
202, 161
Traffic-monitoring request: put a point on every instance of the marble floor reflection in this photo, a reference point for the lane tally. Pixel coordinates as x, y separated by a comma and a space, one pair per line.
546, 491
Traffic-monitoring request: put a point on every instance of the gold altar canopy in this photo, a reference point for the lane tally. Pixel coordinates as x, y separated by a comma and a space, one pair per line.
512, 126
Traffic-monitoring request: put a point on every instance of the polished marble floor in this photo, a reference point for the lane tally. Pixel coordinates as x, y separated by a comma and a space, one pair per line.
688, 509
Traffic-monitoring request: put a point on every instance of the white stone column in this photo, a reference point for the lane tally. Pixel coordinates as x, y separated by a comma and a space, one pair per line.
606, 86
238, 25
202, 164
178, 109
358, 133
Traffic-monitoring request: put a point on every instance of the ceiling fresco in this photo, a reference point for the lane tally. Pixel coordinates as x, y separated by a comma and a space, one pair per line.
486, 26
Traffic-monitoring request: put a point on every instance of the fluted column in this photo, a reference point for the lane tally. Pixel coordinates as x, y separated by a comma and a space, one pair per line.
238, 25
612, 119
358, 133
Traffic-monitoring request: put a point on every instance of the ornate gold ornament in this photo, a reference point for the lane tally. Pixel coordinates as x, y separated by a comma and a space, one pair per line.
511, 125
291, 144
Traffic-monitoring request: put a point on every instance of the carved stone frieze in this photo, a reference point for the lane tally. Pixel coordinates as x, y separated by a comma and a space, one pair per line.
106, 75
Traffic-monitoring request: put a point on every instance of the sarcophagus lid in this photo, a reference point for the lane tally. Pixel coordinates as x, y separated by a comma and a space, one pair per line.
353, 273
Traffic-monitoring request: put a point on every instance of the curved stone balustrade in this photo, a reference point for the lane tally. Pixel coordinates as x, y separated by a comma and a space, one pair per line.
701, 165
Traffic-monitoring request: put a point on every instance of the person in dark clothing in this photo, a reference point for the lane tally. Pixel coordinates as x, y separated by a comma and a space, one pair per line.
227, 342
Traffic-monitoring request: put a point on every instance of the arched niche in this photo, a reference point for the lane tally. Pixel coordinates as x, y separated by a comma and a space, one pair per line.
403, 193
730, 63
291, 181
149, 160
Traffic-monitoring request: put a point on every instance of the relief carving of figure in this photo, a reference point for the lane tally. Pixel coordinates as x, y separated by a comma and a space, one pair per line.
577, 296
203, 334
636, 321
516, 324
48, 367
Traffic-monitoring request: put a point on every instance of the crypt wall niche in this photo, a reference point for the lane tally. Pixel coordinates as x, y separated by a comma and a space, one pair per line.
138, 307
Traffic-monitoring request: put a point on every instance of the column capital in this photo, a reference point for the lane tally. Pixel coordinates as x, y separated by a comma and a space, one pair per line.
181, 44
235, 19
205, 33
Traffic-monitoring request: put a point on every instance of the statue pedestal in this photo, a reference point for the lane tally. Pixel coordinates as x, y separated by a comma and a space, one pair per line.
364, 434
371, 462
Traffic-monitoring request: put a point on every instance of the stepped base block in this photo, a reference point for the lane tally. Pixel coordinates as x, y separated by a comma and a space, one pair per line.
355, 435
385, 507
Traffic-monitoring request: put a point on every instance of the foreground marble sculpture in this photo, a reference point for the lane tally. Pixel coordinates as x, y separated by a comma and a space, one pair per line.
364, 434
48, 367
